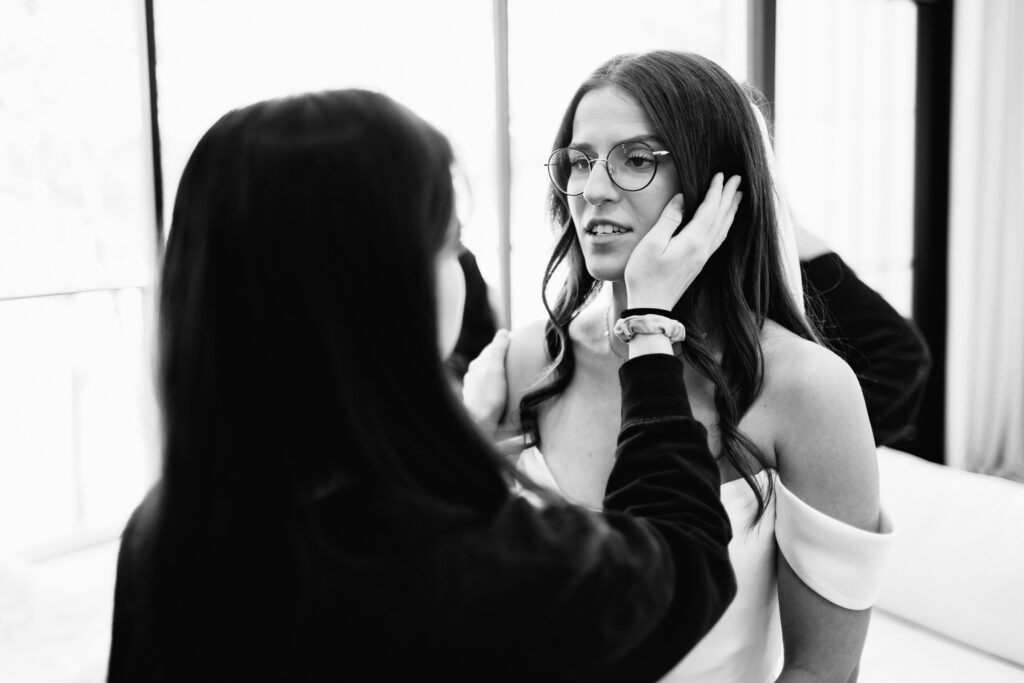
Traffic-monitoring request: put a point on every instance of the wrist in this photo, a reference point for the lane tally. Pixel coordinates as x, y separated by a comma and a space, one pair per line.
648, 301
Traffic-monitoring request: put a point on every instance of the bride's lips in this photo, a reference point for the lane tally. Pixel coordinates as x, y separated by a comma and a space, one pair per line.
603, 229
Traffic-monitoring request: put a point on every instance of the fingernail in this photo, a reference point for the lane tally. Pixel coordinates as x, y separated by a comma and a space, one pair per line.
678, 200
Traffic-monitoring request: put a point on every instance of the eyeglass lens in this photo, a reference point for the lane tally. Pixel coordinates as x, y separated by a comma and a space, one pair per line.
631, 166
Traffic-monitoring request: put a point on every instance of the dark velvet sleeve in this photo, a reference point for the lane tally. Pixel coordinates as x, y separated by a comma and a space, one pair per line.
625, 594
665, 477
885, 350
478, 323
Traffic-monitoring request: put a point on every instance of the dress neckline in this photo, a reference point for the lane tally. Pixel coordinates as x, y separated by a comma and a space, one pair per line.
536, 465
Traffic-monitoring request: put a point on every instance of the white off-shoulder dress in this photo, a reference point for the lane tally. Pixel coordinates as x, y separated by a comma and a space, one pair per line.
841, 563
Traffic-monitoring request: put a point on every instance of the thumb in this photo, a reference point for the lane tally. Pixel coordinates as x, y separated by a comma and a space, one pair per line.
497, 346
501, 339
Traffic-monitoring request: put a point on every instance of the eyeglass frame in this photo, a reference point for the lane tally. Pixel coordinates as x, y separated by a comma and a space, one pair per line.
654, 153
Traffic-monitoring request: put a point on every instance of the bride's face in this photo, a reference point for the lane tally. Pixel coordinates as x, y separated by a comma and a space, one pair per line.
609, 220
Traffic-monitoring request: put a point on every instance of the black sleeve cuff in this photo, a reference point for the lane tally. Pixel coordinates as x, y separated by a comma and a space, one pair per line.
653, 386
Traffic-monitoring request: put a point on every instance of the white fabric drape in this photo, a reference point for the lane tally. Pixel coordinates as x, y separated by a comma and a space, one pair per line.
985, 362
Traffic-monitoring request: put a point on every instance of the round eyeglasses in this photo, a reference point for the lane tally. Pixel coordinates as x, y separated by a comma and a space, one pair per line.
631, 166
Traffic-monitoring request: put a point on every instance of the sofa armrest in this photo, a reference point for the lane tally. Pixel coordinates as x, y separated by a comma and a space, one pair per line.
958, 565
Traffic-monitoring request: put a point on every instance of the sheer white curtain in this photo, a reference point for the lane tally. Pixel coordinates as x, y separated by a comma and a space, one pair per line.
844, 131
985, 422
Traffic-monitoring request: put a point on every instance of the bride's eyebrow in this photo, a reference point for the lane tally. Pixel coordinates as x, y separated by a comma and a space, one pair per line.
587, 147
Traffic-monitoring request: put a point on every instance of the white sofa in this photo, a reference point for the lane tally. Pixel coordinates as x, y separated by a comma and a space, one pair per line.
952, 604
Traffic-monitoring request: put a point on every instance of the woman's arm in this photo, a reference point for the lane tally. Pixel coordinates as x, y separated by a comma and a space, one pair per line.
826, 458
886, 351
664, 476
622, 595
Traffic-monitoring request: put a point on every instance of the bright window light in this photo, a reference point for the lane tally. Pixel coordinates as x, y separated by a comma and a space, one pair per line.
76, 259
844, 129
553, 47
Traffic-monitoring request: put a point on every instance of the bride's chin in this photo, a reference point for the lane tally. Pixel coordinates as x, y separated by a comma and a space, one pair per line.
607, 272
607, 263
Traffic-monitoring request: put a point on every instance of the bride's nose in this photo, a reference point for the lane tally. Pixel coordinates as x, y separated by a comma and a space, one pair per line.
599, 187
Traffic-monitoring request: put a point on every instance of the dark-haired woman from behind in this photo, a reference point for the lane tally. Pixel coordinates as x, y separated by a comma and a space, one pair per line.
785, 416
327, 510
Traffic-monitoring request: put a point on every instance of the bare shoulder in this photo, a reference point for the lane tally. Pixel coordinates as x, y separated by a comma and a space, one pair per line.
824, 447
799, 371
526, 364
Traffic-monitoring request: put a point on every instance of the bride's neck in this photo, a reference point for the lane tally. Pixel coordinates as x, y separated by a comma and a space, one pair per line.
618, 303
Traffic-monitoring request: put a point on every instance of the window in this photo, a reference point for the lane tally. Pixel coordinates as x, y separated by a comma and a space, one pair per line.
553, 47
845, 131
437, 58
76, 265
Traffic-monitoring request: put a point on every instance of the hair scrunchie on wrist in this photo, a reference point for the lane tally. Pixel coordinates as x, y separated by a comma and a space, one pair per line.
636, 323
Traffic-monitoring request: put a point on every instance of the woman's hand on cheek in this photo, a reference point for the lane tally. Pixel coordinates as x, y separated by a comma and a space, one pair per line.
485, 386
667, 260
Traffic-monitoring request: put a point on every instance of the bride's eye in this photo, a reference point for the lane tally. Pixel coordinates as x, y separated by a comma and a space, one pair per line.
638, 159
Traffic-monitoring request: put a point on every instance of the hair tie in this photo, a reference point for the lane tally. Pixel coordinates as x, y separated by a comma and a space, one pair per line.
630, 312
629, 326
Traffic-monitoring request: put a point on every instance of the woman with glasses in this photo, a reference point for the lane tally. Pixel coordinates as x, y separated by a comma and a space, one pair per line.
327, 510
785, 416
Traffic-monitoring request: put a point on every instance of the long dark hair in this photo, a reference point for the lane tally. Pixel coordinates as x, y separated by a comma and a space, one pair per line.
705, 119
298, 358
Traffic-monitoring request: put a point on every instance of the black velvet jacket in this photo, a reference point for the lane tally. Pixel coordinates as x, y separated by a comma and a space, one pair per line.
885, 350
539, 592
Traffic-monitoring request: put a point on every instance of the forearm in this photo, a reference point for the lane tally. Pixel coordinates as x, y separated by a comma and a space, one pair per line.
651, 575
797, 674
663, 462
664, 474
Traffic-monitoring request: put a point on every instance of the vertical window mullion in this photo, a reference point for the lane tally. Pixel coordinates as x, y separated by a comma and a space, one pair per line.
761, 50
154, 126
503, 159
931, 210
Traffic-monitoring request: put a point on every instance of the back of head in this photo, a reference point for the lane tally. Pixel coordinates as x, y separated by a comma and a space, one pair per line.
298, 353
297, 303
